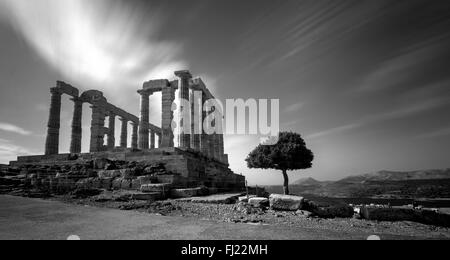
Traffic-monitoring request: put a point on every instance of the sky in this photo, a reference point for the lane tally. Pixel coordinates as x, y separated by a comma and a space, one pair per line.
366, 83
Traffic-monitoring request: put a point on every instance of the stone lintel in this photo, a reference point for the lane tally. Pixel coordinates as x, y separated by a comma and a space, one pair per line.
155, 85
67, 89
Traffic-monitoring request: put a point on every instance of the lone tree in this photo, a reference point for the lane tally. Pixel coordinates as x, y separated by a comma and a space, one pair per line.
290, 153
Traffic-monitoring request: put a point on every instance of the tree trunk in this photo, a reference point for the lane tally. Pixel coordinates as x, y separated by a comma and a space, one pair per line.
286, 182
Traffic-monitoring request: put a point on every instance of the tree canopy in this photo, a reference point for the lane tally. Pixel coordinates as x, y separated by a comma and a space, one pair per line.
288, 154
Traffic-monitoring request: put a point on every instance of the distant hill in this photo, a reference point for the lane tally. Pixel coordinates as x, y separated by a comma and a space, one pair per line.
399, 176
307, 181
382, 184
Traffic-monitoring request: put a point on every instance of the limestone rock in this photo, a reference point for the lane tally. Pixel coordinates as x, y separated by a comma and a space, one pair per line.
126, 184
100, 163
88, 183
246, 198
160, 187
109, 174
146, 196
304, 213
117, 184
106, 183
147, 179
127, 173
335, 211
185, 193
285, 202
259, 202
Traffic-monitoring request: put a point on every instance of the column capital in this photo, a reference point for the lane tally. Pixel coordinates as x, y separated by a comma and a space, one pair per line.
145, 92
184, 74
55, 91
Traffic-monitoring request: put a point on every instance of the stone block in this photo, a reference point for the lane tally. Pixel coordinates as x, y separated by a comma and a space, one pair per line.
246, 198
127, 173
159, 187
108, 174
136, 184
146, 179
146, 196
88, 183
335, 211
100, 163
117, 183
126, 184
304, 213
106, 183
285, 202
259, 202
185, 193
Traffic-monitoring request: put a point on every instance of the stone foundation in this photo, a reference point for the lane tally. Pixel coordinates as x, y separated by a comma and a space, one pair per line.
187, 168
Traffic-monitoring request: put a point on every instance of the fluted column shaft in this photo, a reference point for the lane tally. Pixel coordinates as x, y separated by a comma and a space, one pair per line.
97, 127
134, 136
52, 141
168, 97
204, 139
144, 120
152, 139
196, 116
184, 134
75, 144
111, 142
124, 133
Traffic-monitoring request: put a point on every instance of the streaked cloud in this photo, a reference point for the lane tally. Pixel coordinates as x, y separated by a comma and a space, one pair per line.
9, 151
437, 133
401, 112
406, 66
294, 107
335, 130
13, 129
109, 44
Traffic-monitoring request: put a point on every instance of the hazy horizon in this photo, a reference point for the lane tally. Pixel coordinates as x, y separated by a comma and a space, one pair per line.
366, 83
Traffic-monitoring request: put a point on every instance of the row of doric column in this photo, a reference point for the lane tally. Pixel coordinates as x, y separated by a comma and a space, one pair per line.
98, 130
142, 136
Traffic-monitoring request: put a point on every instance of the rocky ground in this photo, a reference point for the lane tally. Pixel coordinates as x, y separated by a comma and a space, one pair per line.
239, 213
39, 182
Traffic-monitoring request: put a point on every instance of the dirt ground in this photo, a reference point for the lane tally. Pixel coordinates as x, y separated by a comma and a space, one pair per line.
61, 217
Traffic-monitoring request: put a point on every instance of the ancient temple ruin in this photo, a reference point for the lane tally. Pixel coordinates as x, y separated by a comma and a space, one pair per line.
199, 159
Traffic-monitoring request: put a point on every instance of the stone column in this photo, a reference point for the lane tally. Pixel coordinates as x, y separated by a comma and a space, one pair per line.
134, 136
221, 148
75, 145
97, 127
124, 133
52, 141
152, 139
204, 139
111, 131
184, 135
196, 117
160, 140
168, 97
211, 146
220, 145
144, 120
